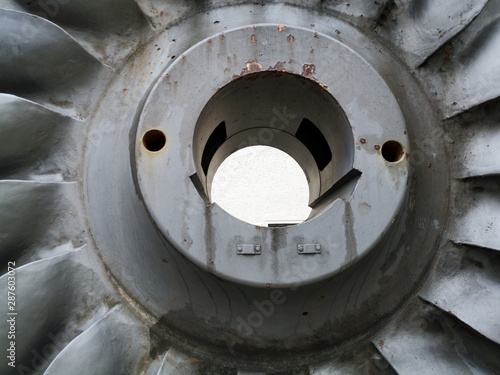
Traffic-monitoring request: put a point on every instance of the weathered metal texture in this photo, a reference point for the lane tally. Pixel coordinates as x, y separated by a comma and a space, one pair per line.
125, 269
63, 82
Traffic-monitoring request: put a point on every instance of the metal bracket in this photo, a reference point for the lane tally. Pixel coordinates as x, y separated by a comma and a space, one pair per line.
248, 249
309, 248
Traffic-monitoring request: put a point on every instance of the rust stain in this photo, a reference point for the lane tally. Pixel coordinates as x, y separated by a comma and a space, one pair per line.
291, 38
125, 90
337, 32
381, 343
362, 140
448, 54
249, 28
253, 38
308, 70
193, 361
376, 147
281, 28
268, 286
324, 86
279, 67
164, 261
251, 67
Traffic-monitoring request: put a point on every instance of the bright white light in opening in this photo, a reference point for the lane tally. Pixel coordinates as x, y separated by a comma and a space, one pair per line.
262, 185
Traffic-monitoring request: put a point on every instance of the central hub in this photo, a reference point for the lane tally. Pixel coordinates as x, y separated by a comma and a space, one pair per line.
289, 88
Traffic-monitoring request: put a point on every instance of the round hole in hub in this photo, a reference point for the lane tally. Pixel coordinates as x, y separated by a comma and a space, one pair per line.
154, 140
392, 151
263, 186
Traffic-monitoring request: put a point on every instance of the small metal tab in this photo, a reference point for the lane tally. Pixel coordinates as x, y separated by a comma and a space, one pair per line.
309, 248
248, 249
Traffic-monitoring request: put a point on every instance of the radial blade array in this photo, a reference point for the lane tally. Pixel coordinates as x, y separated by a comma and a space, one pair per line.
50, 311
41, 62
36, 143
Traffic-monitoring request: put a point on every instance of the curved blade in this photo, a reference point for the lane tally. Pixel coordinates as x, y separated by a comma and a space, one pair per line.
469, 289
36, 143
38, 220
116, 345
108, 29
468, 67
41, 62
420, 27
429, 341
55, 299
480, 221
478, 154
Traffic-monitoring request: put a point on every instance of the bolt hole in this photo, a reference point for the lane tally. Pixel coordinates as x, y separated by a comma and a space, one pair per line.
154, 140
392, 151
305, 313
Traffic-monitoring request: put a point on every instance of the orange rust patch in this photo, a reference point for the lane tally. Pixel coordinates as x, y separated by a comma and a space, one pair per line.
253, 38
279, 67
308, 70
251, 67
281, 28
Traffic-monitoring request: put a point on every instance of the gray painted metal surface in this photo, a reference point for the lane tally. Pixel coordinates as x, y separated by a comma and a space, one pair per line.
122, 264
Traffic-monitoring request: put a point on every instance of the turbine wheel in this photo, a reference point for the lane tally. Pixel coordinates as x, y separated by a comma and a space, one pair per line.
115, 118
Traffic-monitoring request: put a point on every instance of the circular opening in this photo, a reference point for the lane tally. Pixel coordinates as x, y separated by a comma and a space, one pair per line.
263, 186
285, 111
154, 140
392, 151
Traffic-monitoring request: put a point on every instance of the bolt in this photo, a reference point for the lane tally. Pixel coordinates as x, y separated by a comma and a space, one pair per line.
318, 246
240, 248
376, 147
362, 140
301, 248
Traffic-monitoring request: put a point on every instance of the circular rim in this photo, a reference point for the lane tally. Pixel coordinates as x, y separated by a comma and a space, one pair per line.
347, 229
